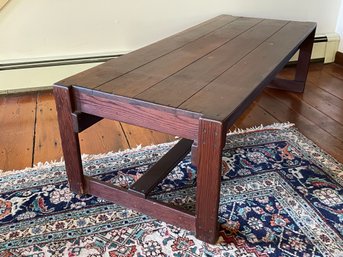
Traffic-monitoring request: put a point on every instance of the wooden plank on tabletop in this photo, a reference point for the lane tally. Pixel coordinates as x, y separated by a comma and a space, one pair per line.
147, 75
117, 67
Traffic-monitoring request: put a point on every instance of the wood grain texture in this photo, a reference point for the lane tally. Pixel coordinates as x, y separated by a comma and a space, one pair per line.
17, 123
136, 112
244, 81
188, 81
327, 82
138, 136
157, 172
324, 102
69, 139
119, 66
170, 214
104, 136
209, 154
153, 72
295, 103
47, 138
283, 113
253, 116
319, 75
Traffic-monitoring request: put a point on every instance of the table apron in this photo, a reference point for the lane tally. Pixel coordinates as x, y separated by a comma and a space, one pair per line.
163, 119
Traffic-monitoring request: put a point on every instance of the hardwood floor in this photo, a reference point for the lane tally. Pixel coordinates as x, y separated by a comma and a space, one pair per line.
29, 130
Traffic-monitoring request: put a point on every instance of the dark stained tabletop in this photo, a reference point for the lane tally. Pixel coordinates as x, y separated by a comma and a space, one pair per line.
209, 69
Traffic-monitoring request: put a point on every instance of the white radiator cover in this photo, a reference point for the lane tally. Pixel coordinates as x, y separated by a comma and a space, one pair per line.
324, 50
31, 79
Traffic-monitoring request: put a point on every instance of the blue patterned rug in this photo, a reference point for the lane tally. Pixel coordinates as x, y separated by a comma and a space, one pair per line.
281, 196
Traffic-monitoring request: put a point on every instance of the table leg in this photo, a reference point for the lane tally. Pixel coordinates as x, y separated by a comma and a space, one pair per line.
209, 157
303, 63
298, 84
69, 138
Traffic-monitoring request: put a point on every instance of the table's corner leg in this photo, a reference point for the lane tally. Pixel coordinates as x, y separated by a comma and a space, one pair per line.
209, 154
69, 138
302, 67
303, 64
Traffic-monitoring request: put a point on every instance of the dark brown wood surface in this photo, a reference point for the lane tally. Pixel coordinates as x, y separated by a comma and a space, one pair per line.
226, 56
156, 173
101, 74
168, 213
153, 72
188, 81
170, 120
246, 78
69, 139
209, 154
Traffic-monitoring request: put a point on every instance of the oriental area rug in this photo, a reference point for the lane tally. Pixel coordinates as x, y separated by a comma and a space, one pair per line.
281, 195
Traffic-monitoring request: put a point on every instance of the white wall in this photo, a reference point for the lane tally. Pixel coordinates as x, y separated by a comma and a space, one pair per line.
339, 27
48, 29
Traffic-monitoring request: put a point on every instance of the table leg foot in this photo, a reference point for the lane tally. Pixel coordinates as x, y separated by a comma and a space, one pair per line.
208, 179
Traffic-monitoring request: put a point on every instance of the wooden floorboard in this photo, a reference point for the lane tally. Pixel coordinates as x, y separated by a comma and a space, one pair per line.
47, 145
17, 122
254, 116
138, 136
318, 135
103, 137
294, 102
29, 130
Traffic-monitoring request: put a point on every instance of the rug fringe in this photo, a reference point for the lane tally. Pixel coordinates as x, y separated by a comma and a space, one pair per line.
85, 157
279, 126
89, 157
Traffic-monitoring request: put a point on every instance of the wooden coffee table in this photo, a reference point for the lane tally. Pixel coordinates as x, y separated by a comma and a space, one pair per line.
194, 85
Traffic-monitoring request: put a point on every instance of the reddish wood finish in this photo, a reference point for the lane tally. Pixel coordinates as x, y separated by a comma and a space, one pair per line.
136, 112
193, 85
69, 138
17, 123
108, 135
211, 142
161, 169
47, 136
171, 214
114, 68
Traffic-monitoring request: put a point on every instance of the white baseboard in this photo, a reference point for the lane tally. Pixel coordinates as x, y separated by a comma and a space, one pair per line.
40, 78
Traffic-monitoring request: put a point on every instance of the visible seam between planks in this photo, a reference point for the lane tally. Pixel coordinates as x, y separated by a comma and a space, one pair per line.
198, 59
321, 88
166, 53
300, 100
34, 132
232, 65
127, 140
